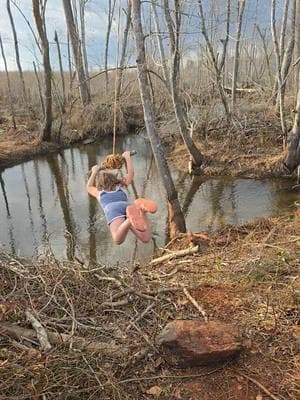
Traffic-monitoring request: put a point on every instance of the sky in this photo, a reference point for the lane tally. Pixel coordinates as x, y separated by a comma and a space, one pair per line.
96, 25
96, 22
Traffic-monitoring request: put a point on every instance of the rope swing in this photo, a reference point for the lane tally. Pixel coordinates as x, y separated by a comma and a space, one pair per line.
115, 161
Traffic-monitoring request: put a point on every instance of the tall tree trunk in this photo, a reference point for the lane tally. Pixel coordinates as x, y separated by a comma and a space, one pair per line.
174, 33
11, 104
241, 8
123, 51
83, 43
25, 99
110, 15
41, 28
292, 159
297, 43
287, 55
39, 89
83, 86
177, 222
160, 46
214, 58
61, 71
278, 70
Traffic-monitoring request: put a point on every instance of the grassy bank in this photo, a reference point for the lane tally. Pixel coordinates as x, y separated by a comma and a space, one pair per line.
245, 275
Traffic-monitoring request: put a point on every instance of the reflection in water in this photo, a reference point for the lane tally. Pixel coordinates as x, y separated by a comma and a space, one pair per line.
62, 191
40, 200
4, 195
45, 199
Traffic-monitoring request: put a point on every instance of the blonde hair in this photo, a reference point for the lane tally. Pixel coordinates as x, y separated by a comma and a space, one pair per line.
107, 181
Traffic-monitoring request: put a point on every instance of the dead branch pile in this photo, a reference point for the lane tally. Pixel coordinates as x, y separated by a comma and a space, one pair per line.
71, 332
98, 325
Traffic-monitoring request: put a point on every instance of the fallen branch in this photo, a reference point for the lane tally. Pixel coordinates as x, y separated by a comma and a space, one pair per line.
41, 332
259, 385
195, 304
175, 254
80, 343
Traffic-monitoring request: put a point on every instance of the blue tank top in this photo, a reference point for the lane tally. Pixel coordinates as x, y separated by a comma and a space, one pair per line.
114, 204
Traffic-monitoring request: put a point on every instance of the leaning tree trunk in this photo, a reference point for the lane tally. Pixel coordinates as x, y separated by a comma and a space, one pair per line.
78, 59
292, 159
41, 28
177, 222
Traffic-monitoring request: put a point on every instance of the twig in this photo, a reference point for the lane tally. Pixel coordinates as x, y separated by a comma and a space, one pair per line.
141, 315
179, 253
41, 332
259, 385
151, 378
194, 302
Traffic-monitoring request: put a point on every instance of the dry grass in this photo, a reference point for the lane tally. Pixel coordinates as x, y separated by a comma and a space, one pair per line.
246, 275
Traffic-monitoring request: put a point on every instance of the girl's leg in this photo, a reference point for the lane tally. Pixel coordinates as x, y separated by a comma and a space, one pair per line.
119, 229
144, 236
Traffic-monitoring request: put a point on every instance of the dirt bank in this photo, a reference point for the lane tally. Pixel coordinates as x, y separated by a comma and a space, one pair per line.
90, 124
246, 275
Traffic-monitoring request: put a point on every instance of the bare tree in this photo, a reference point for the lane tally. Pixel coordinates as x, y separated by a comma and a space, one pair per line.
278, 68
123, 51
160, 46
297, 42
241, 8
292, 159
39, 88
39, 9
174, 35
78, 59
218, 67
11, 103
262, 35
286, 54
61, 70
25, 99
82, 4
110, 15
177, 222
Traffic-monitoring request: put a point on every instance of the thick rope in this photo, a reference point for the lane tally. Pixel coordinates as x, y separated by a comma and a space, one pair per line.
116, 85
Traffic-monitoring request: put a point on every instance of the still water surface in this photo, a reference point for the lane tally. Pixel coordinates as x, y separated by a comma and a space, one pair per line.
44, 205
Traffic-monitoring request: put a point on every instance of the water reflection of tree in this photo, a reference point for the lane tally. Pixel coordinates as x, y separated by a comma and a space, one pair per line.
282, 197
194, 187
31, 222
40, 199
12, 242
92, 160
64, 203
216, 194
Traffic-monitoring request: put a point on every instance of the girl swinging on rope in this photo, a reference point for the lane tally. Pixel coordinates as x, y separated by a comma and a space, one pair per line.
121, 217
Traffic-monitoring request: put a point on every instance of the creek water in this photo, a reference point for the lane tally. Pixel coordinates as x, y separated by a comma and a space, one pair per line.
44, 205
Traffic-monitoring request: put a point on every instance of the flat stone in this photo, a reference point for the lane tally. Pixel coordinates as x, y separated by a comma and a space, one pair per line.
191, 342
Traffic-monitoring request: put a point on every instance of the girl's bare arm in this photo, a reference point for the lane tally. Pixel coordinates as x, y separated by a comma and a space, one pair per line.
129, 166
90, 186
